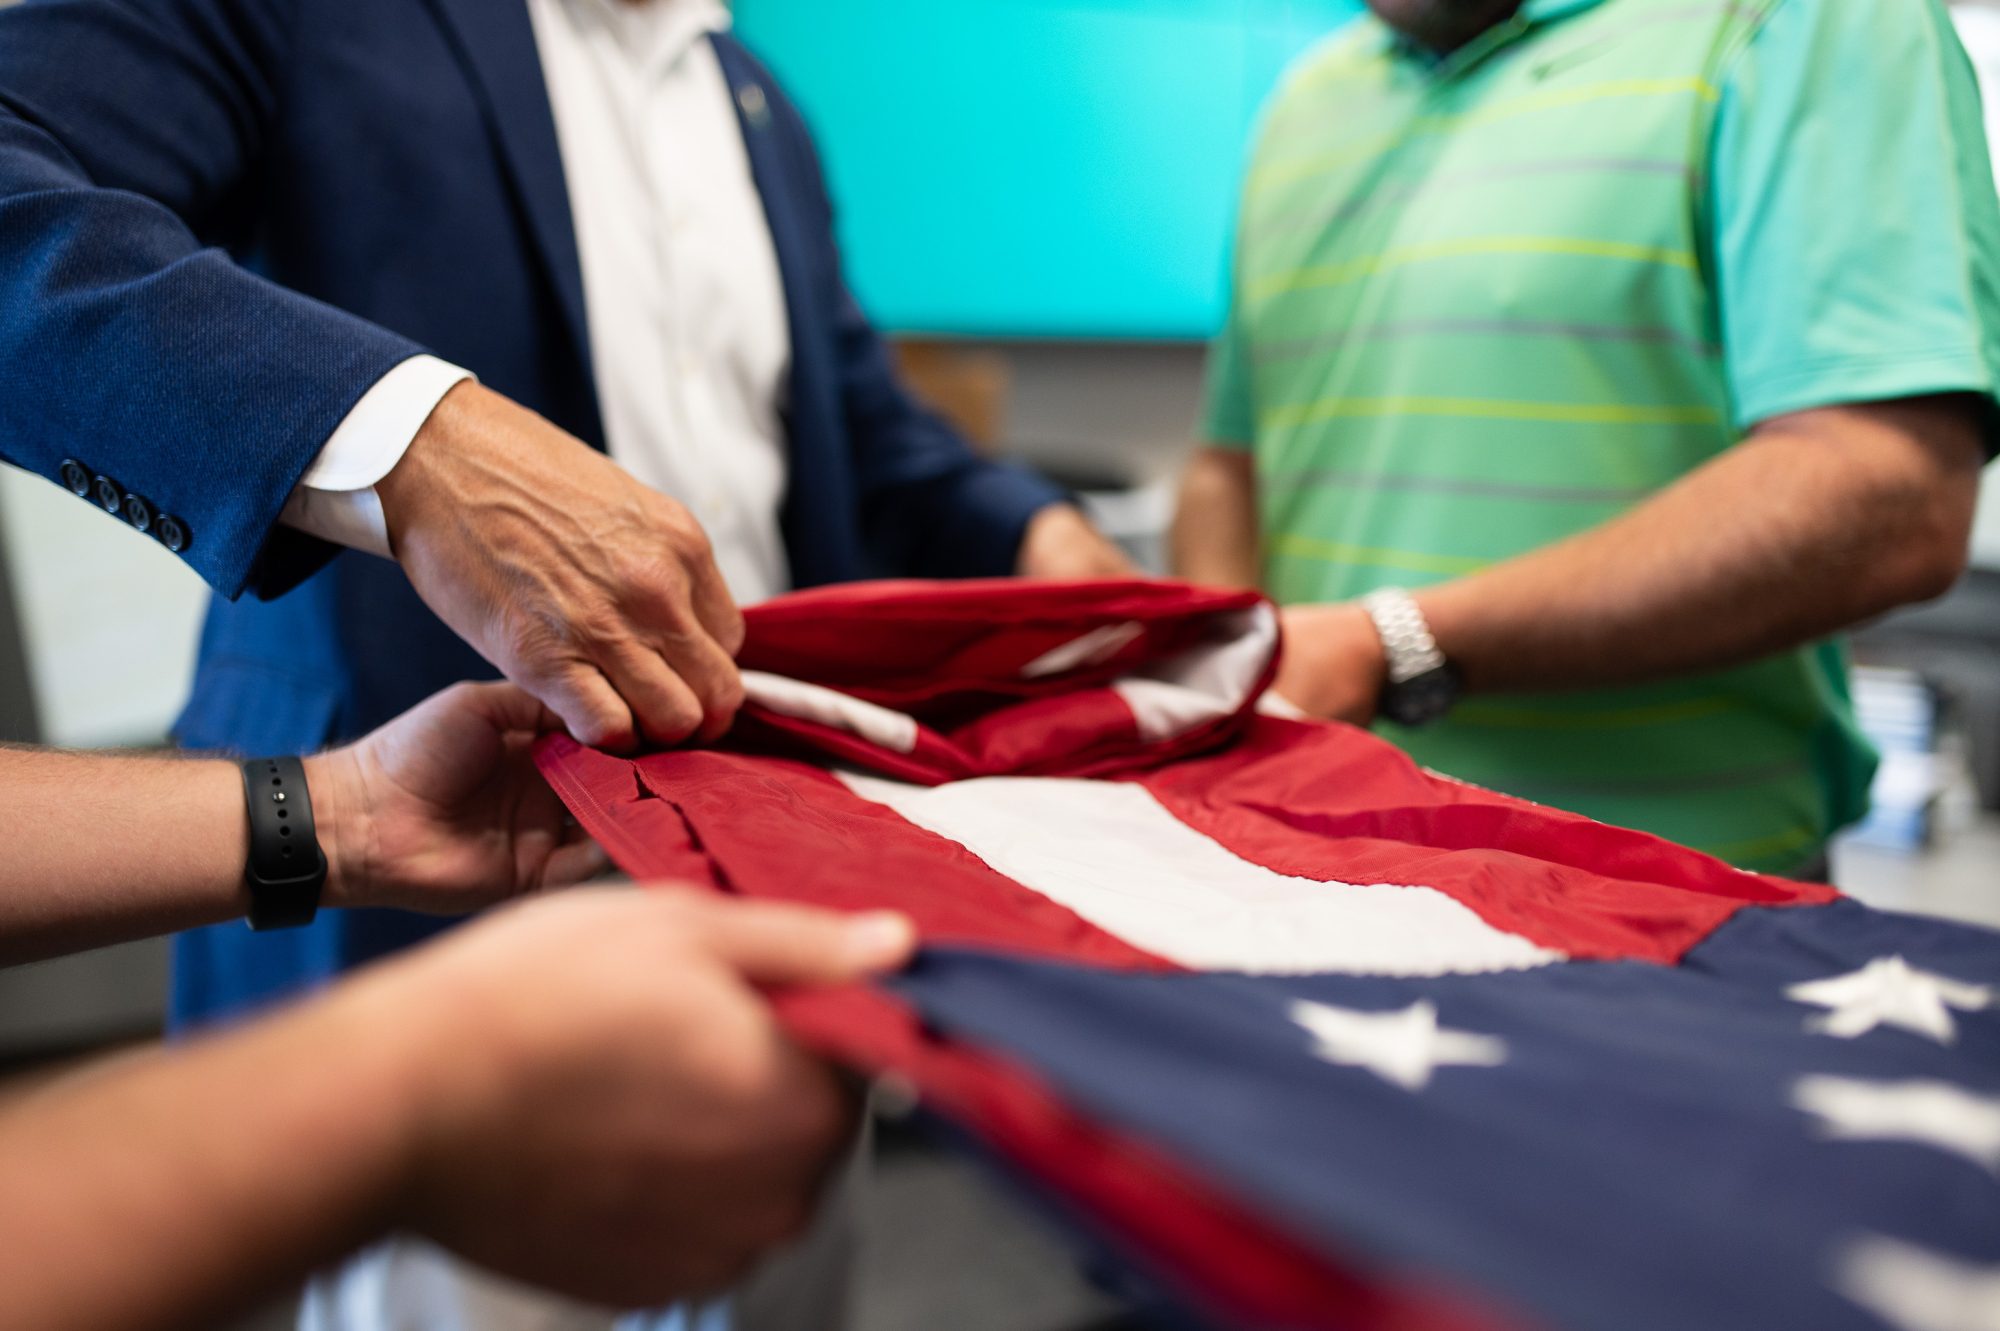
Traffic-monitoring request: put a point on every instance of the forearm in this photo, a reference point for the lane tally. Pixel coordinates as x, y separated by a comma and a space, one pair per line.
1819, 522
172, 1189
106, 848
1214, 538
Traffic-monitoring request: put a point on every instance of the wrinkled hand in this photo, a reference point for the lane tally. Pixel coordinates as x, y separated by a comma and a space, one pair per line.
610, 1111
442, 809
1334, 664
599, 596
1061, 543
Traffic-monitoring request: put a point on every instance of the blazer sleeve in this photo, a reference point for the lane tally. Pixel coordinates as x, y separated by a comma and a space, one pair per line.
131, 134
930, 505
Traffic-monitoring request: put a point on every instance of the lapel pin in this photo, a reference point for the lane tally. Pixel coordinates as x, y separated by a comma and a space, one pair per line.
756, 107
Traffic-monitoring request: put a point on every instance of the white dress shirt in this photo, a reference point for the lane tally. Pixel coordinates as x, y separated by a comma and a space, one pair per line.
691, 351
690, 343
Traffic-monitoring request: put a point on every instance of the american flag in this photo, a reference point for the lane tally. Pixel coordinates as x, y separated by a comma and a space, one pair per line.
1318, 1040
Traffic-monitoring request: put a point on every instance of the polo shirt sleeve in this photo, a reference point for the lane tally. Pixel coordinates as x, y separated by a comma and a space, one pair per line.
1856, 232
1229, 416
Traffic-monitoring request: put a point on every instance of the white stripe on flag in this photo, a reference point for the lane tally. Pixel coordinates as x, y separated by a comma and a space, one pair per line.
878, 725
1113, 854
1204, 683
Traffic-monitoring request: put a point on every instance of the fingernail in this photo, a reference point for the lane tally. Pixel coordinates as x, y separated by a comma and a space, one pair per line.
880, 939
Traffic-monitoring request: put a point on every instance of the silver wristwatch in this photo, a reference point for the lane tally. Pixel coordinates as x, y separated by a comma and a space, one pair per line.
1422, 686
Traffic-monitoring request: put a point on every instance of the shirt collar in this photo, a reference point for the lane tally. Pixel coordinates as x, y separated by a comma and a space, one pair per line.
656, 34
1531, 15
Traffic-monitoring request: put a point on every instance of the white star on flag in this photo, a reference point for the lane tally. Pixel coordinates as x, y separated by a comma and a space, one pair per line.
1931, 1113
1915, 1290
1890, 992
1404, 1047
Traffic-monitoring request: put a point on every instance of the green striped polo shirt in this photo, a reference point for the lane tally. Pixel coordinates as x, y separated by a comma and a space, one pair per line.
1485, 302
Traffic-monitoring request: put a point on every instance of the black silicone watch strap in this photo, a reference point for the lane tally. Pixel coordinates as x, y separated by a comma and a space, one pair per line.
286, 869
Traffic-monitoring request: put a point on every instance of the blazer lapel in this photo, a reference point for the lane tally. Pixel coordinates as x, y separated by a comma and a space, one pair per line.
497, 43
755, 110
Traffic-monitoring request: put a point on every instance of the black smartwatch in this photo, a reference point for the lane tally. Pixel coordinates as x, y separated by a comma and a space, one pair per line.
287, 870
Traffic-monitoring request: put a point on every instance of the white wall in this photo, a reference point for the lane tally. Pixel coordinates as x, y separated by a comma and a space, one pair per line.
1123, 411
1986, 534
109, 617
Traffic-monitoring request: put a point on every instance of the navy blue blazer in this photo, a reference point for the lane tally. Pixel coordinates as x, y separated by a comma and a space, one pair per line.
221, 221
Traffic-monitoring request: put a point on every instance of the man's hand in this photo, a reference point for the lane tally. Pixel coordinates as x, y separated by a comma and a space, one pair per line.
599, 596
1334, 663
585, 1091
609, 1110
442, 810
1061, 543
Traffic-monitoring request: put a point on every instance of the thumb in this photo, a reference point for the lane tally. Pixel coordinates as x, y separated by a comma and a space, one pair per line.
786, 945
507, 707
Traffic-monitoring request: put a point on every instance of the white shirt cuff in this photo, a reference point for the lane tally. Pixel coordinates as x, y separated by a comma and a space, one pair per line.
336, 500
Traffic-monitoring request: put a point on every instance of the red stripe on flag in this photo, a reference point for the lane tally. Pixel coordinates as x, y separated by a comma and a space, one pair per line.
1336, 804
645, 837
773, 828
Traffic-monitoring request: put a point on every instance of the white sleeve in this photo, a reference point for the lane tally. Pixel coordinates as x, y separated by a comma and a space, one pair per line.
336, 500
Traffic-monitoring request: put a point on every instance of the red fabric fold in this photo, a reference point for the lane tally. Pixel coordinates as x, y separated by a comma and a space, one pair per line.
960, 660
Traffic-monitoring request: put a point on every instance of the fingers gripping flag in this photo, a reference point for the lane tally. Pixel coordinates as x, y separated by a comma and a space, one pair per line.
1317, 1039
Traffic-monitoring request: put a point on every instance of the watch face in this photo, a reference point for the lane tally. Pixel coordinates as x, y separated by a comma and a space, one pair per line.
1420, 701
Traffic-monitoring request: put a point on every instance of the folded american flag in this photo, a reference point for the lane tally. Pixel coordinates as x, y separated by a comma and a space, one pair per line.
1315, 1038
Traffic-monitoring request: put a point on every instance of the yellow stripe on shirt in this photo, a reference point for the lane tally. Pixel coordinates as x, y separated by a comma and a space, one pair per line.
1320, 276
1407, 561
1287, 170
1479, 408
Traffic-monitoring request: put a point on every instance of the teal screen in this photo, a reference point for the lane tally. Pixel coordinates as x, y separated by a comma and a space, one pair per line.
1035, 168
